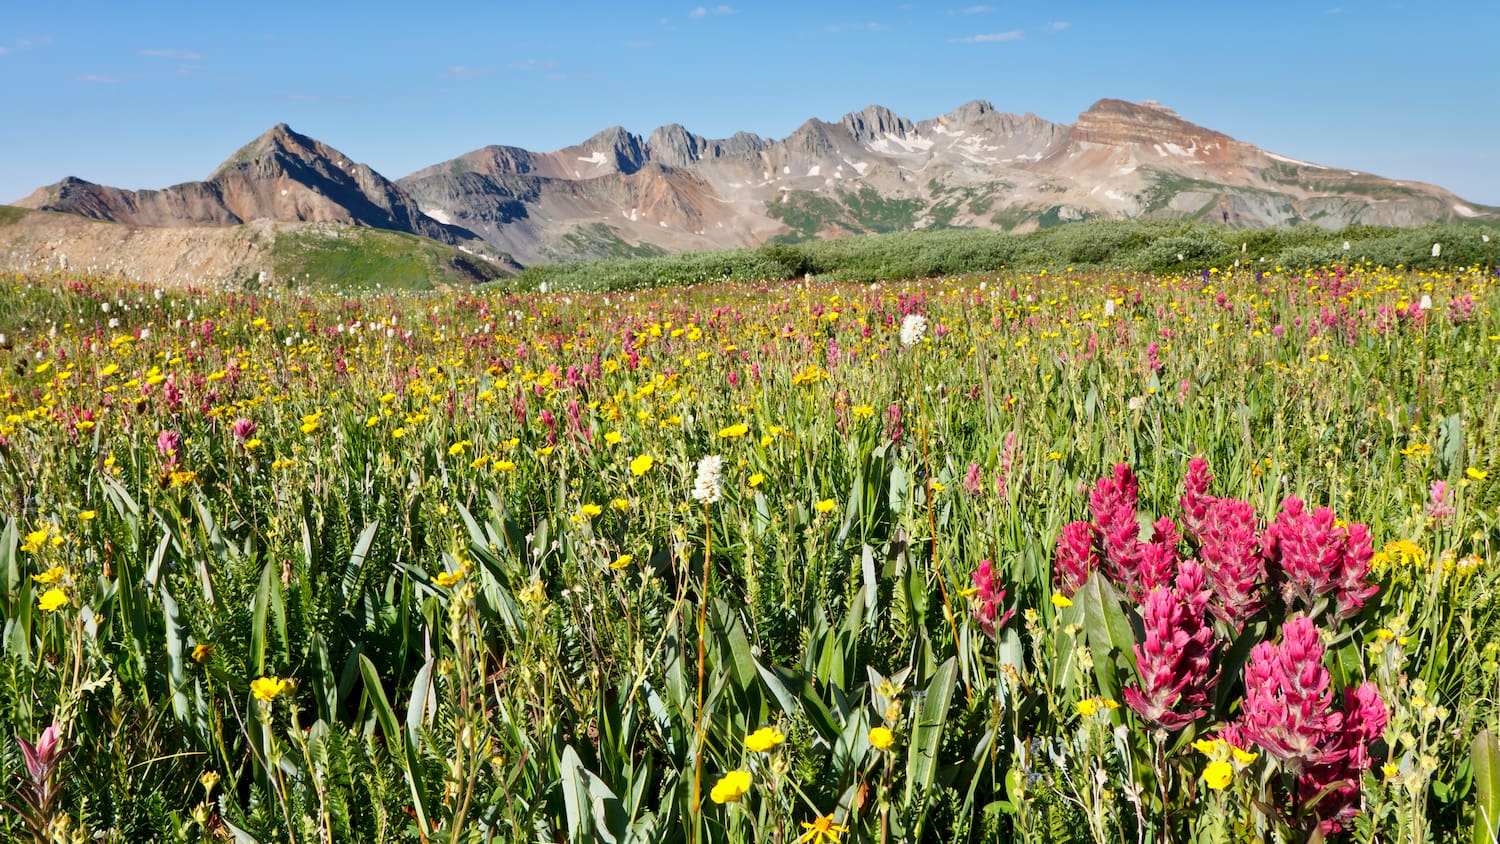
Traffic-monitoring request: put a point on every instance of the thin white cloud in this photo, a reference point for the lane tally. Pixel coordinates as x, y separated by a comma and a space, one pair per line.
856, 27
1058, 26
180, 55
21, 44
974, 10
95, 77
460, 71
532, 64
705, 11
990, 37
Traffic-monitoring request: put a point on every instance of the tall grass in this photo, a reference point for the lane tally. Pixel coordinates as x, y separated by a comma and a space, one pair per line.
429, 590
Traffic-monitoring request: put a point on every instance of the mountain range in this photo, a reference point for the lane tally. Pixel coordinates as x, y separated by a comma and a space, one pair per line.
620, 194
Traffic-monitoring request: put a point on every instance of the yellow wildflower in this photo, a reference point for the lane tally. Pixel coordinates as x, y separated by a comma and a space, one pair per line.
764, 739
734, 431
52, 600
1243, 757
50, 576
622, 561
1061, 601
824, 506
822, 831
881, 738
1218, 775
731, 787
269, 688
642, 464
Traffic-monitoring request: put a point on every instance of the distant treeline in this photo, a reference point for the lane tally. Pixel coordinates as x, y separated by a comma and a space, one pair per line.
1158, 247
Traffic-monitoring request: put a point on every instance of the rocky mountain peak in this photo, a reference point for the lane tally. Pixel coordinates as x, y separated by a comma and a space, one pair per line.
874, 122
742, 142
1118, 122
968, 114
674, 146
810, 140
618, 147
279, 140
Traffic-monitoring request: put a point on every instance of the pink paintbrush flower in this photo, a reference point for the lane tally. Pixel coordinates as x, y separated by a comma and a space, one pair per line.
1113, 505
1318, 558
1195, 498
1175, 659
1230, 552
1077, 556
989, 599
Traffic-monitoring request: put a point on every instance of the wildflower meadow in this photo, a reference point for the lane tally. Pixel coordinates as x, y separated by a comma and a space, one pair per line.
1043, 557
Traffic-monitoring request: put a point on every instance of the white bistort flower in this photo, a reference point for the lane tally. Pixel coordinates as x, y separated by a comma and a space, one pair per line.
708, 487
913, 329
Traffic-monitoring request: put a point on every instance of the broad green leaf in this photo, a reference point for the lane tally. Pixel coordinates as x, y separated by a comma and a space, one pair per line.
927, 738
1485, 759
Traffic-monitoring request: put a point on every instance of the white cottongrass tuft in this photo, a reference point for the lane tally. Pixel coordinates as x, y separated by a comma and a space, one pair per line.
913, 329
708, 486
1437, 250
1426, 303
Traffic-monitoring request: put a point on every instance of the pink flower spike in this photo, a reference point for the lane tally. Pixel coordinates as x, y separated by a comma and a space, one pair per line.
1230, 551
1285, 709
42, 757
1159, 557
1174, 660
1440, 502
1317, 558
974, 480
1195, 498
1113, 505
989, 599
1077, 556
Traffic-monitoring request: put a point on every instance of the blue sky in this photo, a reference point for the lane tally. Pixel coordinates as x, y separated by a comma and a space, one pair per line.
162, 92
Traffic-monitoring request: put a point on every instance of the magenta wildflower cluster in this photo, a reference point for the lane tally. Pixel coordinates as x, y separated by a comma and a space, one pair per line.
1199, 588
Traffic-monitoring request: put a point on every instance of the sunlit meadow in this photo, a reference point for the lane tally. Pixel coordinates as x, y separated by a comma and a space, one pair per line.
1002, 557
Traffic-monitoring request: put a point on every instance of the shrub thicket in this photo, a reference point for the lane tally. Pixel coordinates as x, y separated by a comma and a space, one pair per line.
1160, 247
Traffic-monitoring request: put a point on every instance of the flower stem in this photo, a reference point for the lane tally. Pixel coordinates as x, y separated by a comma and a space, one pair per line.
702, 621
937, 568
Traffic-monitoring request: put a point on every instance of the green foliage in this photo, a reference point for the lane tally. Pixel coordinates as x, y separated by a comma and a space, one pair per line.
355, 260
810, 214
602, 239
1168, 247
490, 620
11, 214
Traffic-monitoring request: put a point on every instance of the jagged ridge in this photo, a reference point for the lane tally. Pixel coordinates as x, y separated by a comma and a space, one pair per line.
872, 170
